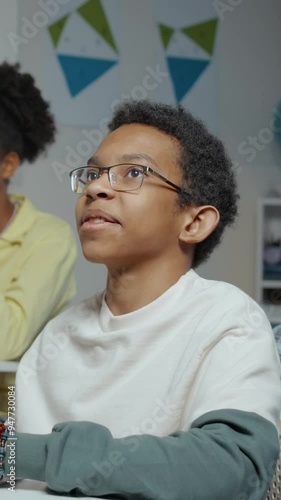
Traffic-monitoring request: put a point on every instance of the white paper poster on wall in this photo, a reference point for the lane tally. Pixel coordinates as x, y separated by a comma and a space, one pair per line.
188, 34
82, 65
81, 60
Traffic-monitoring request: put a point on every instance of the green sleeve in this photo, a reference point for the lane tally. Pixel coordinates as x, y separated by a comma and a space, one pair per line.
227, 454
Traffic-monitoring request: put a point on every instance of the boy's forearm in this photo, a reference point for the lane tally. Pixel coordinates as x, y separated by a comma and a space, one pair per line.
225, 454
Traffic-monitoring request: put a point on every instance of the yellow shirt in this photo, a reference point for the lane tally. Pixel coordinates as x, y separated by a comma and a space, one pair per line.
37, 257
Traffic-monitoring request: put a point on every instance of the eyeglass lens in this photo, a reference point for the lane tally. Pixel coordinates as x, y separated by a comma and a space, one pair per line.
125, 177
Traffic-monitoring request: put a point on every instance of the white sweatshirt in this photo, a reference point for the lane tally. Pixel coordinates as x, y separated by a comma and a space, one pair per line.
201, 346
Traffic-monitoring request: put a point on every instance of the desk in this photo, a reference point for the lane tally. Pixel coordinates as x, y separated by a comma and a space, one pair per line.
33, 490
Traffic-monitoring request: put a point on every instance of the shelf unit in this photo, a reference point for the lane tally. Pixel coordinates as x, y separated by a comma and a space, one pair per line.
268, 279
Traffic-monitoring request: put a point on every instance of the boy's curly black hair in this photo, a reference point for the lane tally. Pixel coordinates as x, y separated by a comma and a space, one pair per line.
26, 124
206, 167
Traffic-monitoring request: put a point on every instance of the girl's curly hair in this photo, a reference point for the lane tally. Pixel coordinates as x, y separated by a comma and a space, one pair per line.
26, 124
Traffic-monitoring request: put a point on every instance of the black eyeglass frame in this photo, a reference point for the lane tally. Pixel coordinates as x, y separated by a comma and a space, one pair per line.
146, 169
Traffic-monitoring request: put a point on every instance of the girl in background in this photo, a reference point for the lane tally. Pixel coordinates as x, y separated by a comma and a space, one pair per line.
37, 249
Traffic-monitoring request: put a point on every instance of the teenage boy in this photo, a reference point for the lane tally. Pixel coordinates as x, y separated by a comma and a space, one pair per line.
166, 385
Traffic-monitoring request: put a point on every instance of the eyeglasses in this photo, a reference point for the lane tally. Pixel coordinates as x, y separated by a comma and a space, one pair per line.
122, 177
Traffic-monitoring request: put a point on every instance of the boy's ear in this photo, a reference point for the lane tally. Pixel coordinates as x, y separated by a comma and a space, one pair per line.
8, 165
199, 223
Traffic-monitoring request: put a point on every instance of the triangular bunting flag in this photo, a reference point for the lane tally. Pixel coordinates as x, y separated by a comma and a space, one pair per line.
203, 34
56, 29
82, 71
184, 73
166, 34
92, 11
81, 40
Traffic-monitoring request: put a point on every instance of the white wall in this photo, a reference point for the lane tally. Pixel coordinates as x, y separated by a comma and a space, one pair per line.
250, 86
8, 22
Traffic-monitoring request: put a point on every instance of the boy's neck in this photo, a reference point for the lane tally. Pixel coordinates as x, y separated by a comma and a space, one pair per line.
130, 289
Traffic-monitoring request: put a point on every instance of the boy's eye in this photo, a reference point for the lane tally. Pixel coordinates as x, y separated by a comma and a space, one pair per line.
134, 173
92, 175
